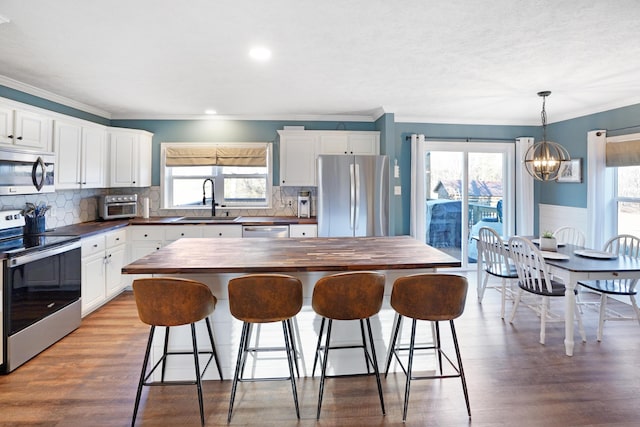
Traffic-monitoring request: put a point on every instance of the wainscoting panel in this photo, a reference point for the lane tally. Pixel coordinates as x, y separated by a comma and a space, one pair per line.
553, 217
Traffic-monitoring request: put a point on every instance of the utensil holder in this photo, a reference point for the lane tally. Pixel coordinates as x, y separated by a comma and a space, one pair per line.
34, 225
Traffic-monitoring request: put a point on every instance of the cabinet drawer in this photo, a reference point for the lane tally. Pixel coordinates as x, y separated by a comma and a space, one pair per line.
175, 232
222, 231
303, 230
116, 238
93, 245
147, 233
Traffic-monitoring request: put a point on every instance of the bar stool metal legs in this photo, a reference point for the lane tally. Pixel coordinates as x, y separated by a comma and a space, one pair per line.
265, 298
174, 302
439, 297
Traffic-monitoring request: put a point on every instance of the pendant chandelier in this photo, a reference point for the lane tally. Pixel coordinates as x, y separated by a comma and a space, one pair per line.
542, 160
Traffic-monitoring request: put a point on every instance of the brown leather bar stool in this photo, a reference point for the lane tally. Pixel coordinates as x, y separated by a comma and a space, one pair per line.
166, 301
431, 297
264, 298
348, 296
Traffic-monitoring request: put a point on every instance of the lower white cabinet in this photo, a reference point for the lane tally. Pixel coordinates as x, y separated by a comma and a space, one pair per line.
103, 257
303, 230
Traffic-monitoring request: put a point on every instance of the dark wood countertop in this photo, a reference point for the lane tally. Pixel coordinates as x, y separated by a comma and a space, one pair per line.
86, 229
238, 255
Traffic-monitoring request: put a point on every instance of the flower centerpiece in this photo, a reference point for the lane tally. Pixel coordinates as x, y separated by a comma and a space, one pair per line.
548, 242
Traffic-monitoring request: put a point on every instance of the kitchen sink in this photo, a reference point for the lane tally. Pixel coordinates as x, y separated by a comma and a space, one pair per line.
206, 219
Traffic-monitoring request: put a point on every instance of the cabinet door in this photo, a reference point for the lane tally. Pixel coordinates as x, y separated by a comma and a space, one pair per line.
68, 148
93, 279
32, 130
334, 143
142, 165
94, 157
121, 146
6, 125
298, 160
114, 261
364, 143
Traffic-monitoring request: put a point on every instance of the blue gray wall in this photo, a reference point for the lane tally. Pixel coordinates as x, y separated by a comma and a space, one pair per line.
570, 133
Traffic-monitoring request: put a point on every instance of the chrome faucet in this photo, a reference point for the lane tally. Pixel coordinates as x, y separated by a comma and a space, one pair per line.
213, 195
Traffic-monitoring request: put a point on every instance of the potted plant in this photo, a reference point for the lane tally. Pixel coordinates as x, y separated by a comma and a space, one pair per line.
548, 242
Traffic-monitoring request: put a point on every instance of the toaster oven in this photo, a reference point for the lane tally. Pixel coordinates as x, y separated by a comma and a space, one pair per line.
118, 206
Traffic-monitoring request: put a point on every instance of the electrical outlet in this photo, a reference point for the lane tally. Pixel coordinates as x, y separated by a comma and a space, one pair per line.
290, 203
52, 211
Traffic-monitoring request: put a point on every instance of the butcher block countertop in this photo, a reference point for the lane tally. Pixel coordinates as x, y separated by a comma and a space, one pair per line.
260, 255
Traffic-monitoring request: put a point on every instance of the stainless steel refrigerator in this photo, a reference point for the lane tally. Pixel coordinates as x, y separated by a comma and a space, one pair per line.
353, 195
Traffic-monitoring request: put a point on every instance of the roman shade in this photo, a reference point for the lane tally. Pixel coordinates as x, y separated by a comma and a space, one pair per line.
623, 153
216, 156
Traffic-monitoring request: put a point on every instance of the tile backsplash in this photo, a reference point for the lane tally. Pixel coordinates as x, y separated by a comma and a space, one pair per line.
74, 206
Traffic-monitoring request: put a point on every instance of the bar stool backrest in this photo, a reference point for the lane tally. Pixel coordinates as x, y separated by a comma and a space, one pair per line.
431, 297
169, 301
349, 296
265, 298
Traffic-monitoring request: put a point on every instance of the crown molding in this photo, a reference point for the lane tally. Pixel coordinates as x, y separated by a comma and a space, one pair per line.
280, 118
49, 96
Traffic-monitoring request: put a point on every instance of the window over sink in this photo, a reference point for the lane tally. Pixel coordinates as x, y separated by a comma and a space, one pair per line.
241, 174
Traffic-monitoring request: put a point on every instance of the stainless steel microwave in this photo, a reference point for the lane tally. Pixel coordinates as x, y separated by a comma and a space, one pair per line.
26, 172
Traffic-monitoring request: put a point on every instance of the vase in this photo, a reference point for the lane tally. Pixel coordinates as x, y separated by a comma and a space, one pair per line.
548, 244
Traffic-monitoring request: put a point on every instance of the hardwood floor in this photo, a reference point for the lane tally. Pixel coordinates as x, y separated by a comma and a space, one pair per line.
90, 378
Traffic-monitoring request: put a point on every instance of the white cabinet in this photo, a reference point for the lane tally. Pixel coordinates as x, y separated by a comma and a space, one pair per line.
220, 230
103, 257
297, 158
146, 239
299, 150
345, 142
303, 230
24, 129
130, 158
81, 156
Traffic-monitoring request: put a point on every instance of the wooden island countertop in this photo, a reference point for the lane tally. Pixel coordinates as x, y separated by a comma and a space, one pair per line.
260, 255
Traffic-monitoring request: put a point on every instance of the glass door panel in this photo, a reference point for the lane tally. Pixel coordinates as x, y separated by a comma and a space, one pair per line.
466, 190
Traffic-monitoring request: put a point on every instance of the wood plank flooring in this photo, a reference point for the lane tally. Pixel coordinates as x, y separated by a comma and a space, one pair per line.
90, 377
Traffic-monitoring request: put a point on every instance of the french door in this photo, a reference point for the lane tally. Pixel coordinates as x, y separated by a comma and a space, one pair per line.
467, 186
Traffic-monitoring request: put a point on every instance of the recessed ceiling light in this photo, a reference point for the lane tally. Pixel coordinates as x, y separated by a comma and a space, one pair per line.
260, 53
210, 112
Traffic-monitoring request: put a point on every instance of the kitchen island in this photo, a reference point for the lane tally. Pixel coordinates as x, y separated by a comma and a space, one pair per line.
215, 261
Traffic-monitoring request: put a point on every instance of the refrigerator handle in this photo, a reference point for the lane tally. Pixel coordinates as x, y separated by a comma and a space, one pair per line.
357, 197
352, 195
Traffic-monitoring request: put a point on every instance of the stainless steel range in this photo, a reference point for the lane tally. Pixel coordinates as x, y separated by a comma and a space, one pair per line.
40, 292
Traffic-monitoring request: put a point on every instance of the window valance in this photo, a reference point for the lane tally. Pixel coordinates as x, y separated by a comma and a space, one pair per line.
623, 153
216, 156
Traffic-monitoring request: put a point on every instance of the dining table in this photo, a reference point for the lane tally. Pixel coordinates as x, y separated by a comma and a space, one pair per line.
571, 264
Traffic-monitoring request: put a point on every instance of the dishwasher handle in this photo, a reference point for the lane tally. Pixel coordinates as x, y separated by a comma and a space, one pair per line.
265, 231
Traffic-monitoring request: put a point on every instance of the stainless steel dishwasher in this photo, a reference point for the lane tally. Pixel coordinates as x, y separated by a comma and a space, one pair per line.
265, 231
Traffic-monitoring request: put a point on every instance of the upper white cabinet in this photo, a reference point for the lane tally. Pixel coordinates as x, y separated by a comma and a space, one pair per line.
24, 129
130, 158
299, 150
81, 155
341, 142
297, 158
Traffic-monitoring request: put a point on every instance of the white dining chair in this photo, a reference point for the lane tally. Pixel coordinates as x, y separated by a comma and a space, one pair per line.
621, 245
570, 236
534, 277
496, 263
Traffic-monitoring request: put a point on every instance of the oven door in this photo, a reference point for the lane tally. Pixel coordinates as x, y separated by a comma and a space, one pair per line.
39, 284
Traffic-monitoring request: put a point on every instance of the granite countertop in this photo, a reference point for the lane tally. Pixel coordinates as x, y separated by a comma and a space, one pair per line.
89, 228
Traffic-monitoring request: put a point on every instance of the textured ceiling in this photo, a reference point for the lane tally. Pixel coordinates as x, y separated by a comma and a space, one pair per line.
455, 61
